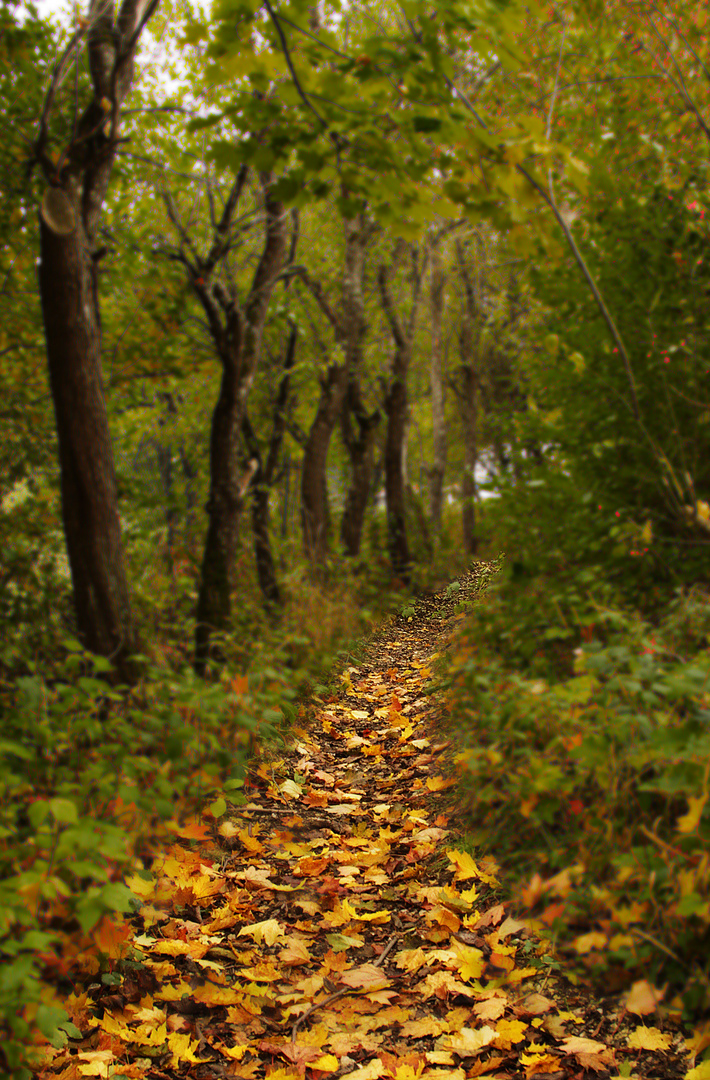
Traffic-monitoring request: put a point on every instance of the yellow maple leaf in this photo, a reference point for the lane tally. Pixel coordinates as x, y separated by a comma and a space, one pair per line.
470, 962
269, 931
209, 994
542, 1062
140, 887
438, 783
183, 1048
464, 863
585, 943
648, 1038
325, 1063
509, 1032
468, 1041
411, 959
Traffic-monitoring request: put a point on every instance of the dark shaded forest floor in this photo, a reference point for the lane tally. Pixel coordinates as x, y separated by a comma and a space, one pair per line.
330, 926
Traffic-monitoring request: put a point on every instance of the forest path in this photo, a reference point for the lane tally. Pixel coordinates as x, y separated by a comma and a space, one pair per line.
334, 928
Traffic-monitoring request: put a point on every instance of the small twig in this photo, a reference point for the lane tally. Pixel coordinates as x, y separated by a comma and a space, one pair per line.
342, 992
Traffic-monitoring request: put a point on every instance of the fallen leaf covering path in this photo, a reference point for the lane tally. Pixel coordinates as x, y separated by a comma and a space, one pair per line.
330, 927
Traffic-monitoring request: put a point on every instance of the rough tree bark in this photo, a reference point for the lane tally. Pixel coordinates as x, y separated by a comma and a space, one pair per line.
396, 411
78, 179
236, 329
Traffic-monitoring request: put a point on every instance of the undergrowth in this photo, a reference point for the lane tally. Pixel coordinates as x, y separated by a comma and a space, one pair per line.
583, 715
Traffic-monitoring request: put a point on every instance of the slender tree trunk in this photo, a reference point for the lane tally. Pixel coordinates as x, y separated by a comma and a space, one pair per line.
397, 418
265, 568
468, 393
470, 451
350, 329
396, 409
438, 466
314, 500
237, 332
67, 282
361, 448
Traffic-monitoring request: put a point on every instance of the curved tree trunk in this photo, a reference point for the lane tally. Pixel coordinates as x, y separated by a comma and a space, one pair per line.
67, 281
78, 175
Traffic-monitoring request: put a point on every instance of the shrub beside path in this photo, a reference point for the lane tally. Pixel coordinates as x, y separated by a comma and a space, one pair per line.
329, 926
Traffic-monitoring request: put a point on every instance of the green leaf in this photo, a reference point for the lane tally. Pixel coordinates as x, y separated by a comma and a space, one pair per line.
218, 807
64, 811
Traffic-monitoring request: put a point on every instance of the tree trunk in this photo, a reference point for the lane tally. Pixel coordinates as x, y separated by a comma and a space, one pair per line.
237, 333
467, 393
396, 409
470, 451
438, 466
397, 418
314, 501
361, 448
67, 283
78, 173
265, 567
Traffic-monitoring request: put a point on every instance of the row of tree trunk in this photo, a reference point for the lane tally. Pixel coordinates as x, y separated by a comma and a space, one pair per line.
78, 181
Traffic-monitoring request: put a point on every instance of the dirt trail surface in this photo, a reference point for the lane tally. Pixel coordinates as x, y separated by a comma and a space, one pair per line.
330, 927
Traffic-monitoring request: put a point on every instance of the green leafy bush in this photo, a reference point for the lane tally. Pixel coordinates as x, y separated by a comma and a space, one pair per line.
591, 785
90, 780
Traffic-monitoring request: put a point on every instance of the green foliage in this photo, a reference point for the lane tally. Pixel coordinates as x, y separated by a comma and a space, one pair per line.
646, 253
586, 774
91, 777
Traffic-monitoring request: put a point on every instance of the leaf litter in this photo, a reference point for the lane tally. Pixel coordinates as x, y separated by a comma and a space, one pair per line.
330, 927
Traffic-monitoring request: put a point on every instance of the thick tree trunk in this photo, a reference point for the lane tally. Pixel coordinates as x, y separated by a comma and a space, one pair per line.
67, 283
396, 409
78, 173
438, 465
225, 501
314, 500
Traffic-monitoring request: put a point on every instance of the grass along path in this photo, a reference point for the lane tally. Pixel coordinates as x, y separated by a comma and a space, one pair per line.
329, 926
